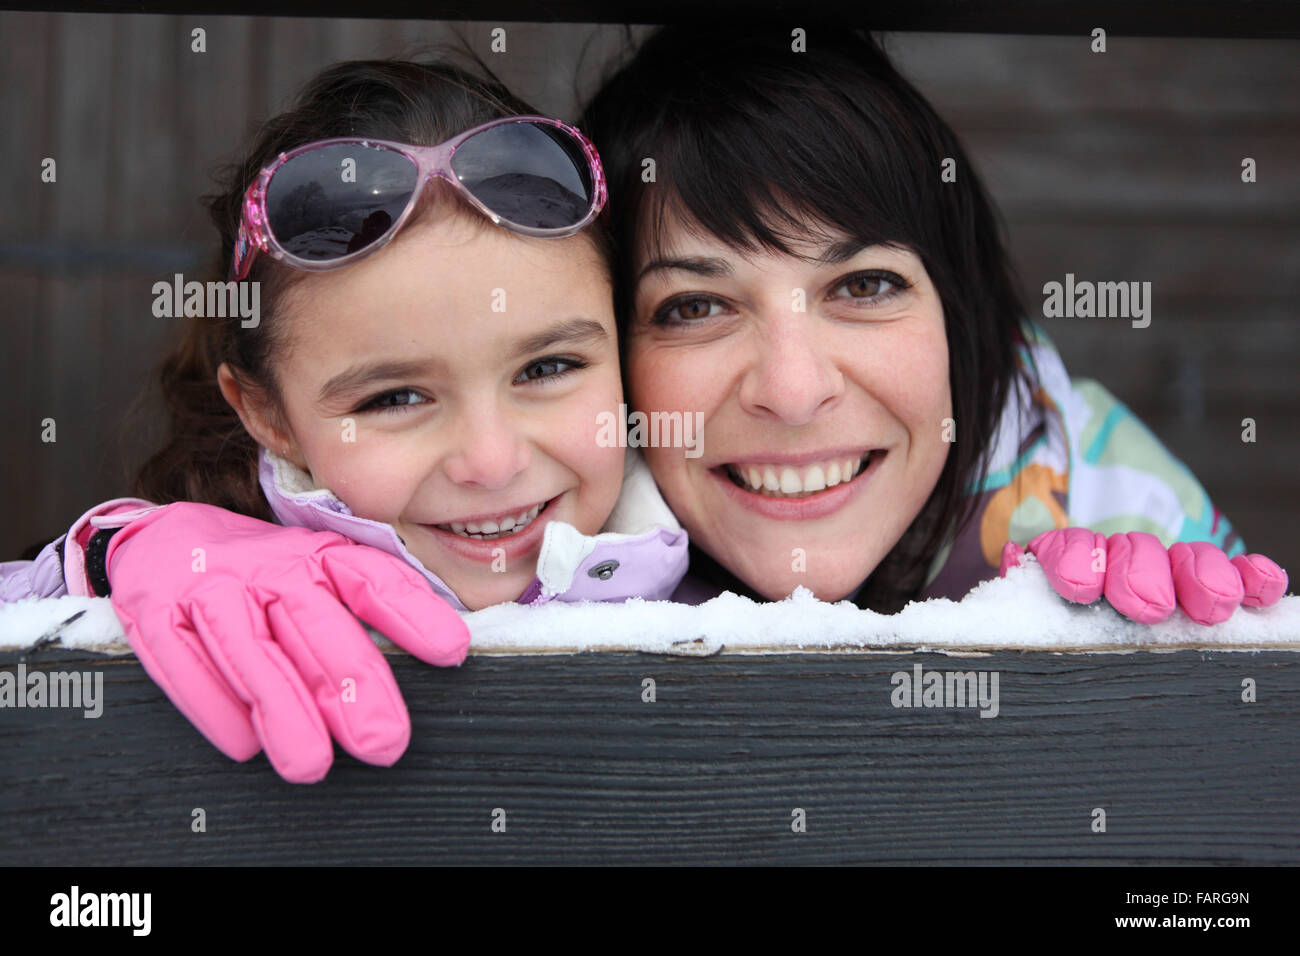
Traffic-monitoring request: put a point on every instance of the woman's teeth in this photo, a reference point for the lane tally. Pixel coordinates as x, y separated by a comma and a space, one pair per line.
782, 481
500, 528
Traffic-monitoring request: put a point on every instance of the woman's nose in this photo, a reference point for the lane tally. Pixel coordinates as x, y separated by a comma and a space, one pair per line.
490, 450
792, 375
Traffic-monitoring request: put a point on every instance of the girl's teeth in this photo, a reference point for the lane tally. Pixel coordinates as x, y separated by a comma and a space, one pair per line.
492, 529
781, 482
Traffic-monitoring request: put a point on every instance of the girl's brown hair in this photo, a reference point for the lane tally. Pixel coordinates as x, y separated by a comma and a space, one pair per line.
207, 456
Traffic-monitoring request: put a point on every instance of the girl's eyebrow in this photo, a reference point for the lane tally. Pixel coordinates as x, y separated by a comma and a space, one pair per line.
357, 377
709, 268
569, 332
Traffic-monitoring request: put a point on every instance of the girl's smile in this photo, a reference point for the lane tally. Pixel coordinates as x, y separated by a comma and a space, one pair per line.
513, 536
450, 386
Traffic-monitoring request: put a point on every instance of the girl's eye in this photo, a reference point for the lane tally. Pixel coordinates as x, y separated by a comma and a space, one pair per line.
876, 284
549, 369
394, 401
686, 309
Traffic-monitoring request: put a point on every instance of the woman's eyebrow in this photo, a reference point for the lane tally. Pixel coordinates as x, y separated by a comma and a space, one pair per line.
841, 251
570, 332
709, 268
713, 268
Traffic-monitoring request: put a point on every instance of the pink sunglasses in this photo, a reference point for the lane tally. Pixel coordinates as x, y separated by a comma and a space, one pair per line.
331, 202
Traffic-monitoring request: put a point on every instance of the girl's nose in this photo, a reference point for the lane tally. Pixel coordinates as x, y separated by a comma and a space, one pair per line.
490, 451
792, 375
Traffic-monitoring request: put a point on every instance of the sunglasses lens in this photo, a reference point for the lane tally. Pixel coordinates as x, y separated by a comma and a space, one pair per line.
334, 200
527, 173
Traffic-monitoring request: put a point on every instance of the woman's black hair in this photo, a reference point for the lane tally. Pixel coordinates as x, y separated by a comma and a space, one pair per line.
753, 141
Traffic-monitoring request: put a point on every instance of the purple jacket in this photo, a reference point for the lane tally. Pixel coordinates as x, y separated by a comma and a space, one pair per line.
642, 551
60, 568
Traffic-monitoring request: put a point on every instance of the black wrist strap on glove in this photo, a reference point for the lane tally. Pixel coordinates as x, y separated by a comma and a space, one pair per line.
97, 561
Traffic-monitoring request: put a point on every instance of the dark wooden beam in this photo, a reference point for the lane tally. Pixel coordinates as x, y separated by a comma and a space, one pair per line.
709, 773
1183, 18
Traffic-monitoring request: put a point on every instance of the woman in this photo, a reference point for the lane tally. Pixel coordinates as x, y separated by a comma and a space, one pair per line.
800, 266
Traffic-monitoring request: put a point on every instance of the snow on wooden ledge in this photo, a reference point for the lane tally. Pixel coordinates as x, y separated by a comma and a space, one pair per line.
1019, 612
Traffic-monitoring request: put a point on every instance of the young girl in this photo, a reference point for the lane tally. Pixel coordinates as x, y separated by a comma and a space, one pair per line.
434, 353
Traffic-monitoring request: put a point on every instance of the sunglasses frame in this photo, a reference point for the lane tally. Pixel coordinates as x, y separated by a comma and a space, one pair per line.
255, 234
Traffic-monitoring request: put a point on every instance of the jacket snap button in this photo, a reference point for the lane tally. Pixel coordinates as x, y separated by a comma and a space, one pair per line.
604, 570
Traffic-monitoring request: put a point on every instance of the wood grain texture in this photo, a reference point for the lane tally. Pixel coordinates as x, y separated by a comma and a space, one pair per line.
708, 774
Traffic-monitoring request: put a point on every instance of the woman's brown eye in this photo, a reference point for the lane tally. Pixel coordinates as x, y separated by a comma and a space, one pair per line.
863, 286
694, 308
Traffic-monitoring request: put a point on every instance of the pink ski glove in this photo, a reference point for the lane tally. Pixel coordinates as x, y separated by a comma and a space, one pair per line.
252, 639
1143, 581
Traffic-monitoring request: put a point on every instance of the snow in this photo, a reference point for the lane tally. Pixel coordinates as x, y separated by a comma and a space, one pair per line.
1018, 612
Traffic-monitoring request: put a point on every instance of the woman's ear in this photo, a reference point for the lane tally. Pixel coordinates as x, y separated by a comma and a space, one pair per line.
257, 418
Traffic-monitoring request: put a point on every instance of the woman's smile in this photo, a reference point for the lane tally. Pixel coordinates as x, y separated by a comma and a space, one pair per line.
824, 425
786, 496
786, 503
773, 475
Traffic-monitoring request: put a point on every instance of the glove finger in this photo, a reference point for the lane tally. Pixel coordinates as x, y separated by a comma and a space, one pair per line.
1208, 585
1011, 555
173, 655
1066, 555
1139, 579
394, 599
349, 680
1265, 581
237, 635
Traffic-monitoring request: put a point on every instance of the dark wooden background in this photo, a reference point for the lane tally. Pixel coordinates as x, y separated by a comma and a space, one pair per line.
1115, 166
589, 773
